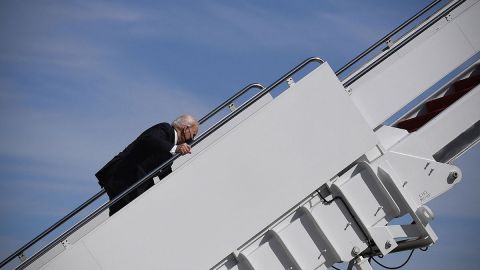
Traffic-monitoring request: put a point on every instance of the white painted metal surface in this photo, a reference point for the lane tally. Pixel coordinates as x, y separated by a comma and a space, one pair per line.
83, 259
222, 131
72, 239
414, 68
209, 203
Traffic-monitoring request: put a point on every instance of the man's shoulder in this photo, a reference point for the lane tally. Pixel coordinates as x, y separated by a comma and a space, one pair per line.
159, 129
163, 126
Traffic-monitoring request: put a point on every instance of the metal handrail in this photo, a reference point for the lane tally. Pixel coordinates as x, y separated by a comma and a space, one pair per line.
169, 161
387, 37
229, 101
102, 191
402, 43
53, 227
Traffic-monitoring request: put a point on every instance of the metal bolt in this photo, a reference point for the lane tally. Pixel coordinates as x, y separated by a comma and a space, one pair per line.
452, 177
388, 245
355, 251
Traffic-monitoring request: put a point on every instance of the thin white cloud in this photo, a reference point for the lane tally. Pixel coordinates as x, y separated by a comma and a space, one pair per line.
38, 133
229, 26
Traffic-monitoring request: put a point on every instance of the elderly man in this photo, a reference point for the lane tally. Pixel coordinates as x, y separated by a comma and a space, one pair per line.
152, 148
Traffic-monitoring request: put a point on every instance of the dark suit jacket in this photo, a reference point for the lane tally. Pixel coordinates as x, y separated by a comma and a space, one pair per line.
147, 152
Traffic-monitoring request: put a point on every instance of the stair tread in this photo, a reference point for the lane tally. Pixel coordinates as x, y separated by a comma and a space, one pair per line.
445, 101
412, 124
467, 83
435, 106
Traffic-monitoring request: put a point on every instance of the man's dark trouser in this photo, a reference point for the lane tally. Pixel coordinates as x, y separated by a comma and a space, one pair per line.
116, 188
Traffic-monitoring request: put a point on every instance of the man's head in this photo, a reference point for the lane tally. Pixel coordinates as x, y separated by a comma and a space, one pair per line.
186, 127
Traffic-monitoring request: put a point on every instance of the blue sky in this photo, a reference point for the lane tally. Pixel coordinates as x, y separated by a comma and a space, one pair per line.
80, 79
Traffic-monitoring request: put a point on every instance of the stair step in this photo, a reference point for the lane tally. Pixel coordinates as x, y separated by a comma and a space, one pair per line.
415, 123
303, 241
445, 101
340, 232
271, 254
476, 71
466, 84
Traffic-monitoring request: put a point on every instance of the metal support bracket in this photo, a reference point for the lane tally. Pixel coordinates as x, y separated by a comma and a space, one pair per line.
406, 202
22, 257
390, 43
290, 81
348, 90
66, 244
360, 263
232, 107
448, 17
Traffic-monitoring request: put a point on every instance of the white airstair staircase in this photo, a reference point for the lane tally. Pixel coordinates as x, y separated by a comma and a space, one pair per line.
317, 175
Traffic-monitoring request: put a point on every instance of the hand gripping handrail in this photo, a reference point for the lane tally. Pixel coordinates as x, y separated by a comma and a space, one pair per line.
387, 37
402, 43
168, 162
64, 219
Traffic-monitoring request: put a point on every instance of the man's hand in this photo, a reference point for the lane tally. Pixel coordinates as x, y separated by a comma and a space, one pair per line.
183, 149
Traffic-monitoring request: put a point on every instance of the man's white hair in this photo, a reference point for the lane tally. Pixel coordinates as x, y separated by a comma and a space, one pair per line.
185, 120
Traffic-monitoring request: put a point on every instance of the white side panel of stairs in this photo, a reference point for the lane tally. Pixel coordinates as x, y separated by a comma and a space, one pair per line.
222, 131
72, 239
83, 259
238, 186
414, 68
